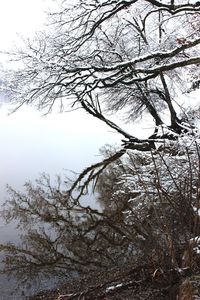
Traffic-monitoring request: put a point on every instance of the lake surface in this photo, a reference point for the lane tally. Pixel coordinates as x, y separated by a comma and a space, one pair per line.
32, 144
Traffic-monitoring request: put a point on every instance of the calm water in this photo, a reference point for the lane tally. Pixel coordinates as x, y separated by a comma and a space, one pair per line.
32, 144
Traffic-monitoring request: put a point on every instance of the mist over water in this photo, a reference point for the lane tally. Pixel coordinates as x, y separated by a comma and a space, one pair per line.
32, 144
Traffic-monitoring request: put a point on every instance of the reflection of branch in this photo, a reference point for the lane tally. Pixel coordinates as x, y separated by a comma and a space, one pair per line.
91, 173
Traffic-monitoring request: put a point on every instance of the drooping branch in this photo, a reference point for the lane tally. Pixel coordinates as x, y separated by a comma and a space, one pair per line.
173, 115
92, 110
150, 107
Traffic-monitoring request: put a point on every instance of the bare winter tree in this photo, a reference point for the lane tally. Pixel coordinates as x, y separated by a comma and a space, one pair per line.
113, 55
129, 56
109, 56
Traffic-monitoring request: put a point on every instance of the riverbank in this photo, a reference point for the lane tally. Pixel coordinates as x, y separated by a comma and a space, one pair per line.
129, 283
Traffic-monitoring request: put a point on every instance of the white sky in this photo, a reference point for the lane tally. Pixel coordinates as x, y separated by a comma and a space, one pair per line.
20, 17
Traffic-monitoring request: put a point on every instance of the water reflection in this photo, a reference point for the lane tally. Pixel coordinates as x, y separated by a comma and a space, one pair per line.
32, 144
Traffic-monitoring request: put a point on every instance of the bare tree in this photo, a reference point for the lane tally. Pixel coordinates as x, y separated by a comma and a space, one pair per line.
113, 55
103, 57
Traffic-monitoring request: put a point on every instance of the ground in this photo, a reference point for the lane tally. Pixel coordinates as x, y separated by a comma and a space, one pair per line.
130, 283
